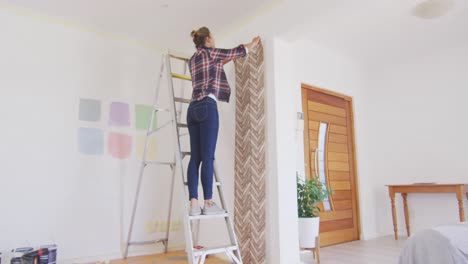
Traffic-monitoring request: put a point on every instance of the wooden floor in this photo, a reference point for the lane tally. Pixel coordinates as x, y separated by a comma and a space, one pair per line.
383, 250
169, 258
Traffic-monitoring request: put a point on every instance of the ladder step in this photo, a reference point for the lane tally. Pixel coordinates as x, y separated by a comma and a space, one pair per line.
214, 250
179, 57
149, 242
181, 76
182, 125
161, 110
149, 133
182, 100
159, 163
202, 217
186, 153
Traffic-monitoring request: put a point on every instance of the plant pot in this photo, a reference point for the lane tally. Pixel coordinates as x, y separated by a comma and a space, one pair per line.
308, 231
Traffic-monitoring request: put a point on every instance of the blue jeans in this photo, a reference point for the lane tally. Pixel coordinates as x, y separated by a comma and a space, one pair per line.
203, 125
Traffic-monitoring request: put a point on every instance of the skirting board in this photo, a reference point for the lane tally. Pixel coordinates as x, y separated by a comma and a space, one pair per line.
113, 256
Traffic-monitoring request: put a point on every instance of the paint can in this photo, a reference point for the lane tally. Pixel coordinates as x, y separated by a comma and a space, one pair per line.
18, 253
51, 257
31, 257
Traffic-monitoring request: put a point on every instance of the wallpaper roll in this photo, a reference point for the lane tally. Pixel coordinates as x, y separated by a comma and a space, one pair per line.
250, 166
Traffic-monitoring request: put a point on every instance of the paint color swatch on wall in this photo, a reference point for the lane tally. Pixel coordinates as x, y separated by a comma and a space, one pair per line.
143, 117
90, 141
140, 147
119, 114
119, 145
90, 110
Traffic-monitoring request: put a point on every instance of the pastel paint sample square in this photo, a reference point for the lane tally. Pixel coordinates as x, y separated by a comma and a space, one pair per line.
143, 117
90, 141
90, 110
119, 114
140, 147
119, 145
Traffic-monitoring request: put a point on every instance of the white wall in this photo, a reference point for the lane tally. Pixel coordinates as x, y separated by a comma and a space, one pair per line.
417, 133
408, 129
49, 192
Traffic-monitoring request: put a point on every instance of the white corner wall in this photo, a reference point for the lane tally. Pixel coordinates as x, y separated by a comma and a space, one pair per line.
49, 192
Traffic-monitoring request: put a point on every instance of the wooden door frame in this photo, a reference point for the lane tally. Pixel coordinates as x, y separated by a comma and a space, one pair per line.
349, 99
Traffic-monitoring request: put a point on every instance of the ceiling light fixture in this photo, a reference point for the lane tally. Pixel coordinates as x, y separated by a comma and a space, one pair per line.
431, 9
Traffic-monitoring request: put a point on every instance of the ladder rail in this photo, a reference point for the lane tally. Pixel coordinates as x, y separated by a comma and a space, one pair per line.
171, 198
178, 158
196, 231
229, 223
143, 164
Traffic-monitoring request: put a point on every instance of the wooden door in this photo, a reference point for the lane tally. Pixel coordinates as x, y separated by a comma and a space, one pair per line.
329, 155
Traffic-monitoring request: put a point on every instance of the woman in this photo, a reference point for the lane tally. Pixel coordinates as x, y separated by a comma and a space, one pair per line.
209, 85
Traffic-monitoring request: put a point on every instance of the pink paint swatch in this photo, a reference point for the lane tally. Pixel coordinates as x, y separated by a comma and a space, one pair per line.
119, 145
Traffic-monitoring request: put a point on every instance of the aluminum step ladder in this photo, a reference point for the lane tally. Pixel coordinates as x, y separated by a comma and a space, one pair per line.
194, 255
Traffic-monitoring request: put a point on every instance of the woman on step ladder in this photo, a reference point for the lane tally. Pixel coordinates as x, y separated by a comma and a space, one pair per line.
209, 86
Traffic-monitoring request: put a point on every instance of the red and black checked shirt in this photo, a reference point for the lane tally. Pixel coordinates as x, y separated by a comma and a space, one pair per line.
208, 76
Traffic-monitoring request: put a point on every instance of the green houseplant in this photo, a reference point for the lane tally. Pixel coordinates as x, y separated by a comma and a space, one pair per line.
309, 193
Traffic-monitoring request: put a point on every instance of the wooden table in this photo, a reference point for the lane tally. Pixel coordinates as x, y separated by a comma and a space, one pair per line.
458, 189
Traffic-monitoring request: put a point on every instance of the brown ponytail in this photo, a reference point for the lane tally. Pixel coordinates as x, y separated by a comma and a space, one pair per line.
199, 36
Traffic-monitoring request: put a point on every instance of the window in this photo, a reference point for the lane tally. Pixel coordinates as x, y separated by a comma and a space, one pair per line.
322, 138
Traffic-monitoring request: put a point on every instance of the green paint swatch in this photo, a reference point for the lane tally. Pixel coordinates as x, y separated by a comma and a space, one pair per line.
143, 117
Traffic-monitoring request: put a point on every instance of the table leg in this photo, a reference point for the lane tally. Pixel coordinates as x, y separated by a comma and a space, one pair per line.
317, 248
395, 224
461, 210
405, 206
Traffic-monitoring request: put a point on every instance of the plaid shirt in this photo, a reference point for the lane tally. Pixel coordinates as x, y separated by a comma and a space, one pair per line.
208, 76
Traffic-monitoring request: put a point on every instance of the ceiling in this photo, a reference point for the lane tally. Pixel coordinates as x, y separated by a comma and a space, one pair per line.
369, 31
156, 22
384, 31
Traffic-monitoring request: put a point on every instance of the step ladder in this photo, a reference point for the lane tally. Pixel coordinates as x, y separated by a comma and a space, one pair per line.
194, 255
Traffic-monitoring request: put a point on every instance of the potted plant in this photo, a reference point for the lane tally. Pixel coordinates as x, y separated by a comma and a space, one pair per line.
309, 193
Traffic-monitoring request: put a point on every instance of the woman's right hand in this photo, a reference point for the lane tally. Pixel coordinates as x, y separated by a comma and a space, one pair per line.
252, 45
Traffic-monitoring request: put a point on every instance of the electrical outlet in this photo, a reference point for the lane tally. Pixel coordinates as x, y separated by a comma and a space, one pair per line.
175, 226
151, 227
159, 226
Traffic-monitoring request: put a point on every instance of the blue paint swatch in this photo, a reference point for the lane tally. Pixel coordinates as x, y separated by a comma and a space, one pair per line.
90, 110
91, 141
